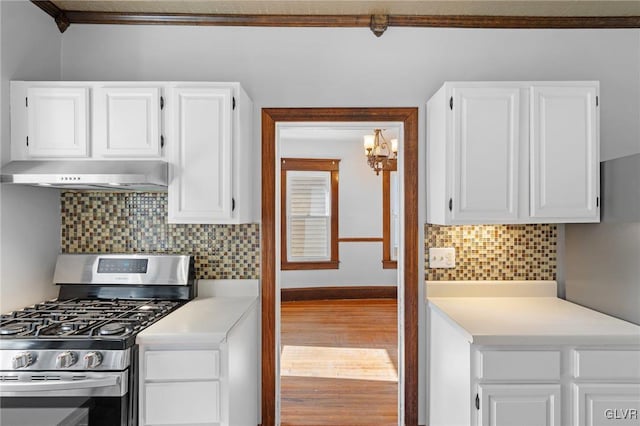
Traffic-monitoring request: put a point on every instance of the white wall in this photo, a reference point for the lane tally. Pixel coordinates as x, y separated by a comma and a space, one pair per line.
29, 217
360, 208
293, 67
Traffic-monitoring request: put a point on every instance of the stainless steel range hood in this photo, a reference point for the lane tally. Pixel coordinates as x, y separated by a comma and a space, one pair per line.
88, 174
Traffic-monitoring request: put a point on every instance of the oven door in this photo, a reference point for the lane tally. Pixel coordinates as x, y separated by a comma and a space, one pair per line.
64, 398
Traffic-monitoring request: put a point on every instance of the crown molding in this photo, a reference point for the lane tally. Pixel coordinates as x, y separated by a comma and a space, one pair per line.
377, 23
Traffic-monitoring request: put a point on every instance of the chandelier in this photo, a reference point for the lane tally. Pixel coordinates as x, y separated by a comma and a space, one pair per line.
380, 155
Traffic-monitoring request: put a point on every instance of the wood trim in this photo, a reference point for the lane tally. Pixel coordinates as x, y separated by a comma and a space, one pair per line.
304, 266
49, 7
409, 117
59, 16
242, 20
389, 264
360, 240
333, 293
488, 21
310, 164
386, 216
342, 21
268, 268
411, 267
335, 218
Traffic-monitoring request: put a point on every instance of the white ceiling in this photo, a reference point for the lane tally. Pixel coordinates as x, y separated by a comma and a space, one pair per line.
566, 8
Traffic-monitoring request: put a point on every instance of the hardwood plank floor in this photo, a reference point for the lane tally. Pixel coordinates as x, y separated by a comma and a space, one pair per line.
339, 362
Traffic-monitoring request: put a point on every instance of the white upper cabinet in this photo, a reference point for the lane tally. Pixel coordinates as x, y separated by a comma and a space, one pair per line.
209, 178
513, 152
564, 152
57, 122
201, 146
203, 130
86, 119
126, 122
485, 144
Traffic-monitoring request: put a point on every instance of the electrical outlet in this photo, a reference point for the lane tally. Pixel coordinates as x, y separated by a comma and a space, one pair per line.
442, 257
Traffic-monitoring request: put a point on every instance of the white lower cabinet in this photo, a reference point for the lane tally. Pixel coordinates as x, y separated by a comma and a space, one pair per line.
522, 405
173, 403
196, 379
602, 404
180, 387
529, 384
194, 365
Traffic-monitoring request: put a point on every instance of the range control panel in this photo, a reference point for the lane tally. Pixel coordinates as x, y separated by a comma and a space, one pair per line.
123, 266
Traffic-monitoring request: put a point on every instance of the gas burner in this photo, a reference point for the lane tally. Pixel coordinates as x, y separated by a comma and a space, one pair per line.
66, 327
14, 328
112, 329
141, 316
76, 318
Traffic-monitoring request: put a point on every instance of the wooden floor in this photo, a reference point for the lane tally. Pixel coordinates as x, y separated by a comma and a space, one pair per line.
339, 362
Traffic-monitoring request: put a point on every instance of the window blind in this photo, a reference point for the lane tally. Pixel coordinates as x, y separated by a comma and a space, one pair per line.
308, 216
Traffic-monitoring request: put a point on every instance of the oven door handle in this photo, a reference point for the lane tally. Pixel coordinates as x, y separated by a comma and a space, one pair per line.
35, 386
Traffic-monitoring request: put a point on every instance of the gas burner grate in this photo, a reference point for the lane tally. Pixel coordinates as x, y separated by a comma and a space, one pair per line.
93, 318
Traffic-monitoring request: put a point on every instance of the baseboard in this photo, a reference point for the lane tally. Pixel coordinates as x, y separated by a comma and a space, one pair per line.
333, 293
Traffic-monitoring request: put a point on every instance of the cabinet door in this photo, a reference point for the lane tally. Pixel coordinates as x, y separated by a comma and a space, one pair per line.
607, 404
200, 188
126, 122
485, 153
58, 122
564, 153
185, 403
522, 405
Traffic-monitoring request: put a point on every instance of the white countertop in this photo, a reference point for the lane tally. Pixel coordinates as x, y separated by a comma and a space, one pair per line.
203, 320
532, 320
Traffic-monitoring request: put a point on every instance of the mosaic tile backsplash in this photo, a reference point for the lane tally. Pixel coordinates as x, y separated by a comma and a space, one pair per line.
118, 222
495, 252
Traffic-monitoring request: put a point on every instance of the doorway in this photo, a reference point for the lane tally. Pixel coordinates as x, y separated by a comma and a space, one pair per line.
408, 281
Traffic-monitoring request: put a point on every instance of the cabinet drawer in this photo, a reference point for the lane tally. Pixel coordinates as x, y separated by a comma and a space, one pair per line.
607, 404
182, 365
607, 364
519, 365
182, 403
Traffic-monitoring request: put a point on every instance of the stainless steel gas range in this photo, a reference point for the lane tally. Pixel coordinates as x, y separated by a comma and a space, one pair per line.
73, 360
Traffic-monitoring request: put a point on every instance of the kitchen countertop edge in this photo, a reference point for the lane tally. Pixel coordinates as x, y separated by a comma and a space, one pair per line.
529, 336
185, 325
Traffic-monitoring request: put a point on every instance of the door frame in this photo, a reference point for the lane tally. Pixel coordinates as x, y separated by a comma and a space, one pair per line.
409, 118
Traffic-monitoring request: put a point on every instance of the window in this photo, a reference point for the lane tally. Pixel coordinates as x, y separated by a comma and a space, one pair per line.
309, 213
390, 216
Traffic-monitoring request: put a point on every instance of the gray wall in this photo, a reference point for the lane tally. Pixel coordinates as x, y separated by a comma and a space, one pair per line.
293, 67
603, 260
29, 217
351, 67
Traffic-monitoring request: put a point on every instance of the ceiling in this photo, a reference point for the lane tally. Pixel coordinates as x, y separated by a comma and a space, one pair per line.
560, 8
